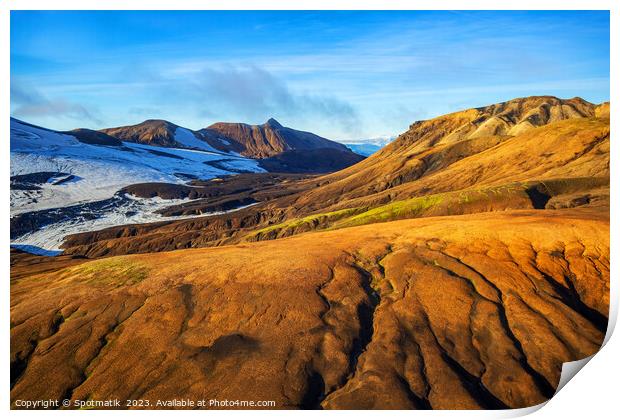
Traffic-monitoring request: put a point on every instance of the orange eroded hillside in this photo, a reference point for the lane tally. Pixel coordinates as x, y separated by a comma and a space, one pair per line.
544, 152
472, 311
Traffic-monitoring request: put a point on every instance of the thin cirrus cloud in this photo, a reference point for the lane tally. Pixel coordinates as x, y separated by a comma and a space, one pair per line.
209, 92
339, 74
255, 94
27, 102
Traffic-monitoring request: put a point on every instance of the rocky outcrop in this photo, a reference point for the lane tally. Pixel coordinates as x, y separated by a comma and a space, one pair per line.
506, 118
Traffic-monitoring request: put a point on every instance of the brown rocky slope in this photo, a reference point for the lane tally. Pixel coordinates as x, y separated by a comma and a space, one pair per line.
268, 139
151, 132
475, 311
438, 167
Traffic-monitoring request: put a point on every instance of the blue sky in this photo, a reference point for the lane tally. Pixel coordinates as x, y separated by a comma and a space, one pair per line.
340, 74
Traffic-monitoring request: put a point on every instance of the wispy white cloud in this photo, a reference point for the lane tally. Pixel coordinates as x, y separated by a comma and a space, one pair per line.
370, 73
29, 102
254, 93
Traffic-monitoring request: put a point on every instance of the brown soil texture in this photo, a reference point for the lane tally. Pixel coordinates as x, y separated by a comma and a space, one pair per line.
24, 264
473, 311
219, 194
217, 187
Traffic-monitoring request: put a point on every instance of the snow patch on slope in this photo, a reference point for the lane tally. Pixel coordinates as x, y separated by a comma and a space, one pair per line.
122, 210
189, 139
103, 170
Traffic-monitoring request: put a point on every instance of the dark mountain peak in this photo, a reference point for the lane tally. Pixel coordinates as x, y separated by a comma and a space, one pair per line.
271, 122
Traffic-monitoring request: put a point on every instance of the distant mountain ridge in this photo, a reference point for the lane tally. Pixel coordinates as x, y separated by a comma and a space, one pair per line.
469, 147
300, 150
101, 165
161, 133
508, 118
255, 141
268, 139
444, 165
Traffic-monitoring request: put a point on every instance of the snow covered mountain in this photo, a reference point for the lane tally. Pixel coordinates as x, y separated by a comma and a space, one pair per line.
52, 170
165, 134
73, 181
98, 171
279, 148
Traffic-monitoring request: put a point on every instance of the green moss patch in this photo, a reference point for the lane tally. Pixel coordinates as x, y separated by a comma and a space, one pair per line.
473, 200
116, 271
